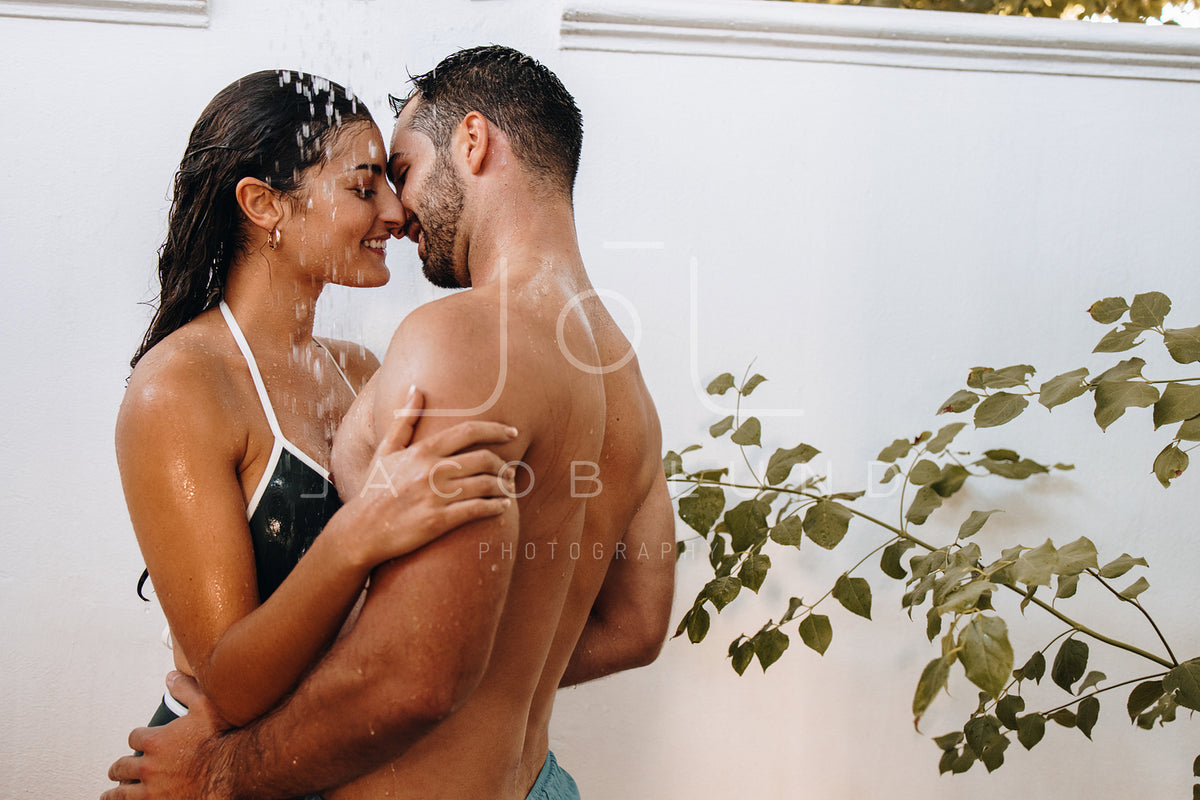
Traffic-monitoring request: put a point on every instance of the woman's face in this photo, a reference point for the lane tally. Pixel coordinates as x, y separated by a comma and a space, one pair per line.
346, 212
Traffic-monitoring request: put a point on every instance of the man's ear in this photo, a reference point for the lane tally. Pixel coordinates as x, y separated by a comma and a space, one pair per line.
475, 134
261, 204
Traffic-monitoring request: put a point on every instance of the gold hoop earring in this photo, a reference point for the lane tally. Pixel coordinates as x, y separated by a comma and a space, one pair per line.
273, 239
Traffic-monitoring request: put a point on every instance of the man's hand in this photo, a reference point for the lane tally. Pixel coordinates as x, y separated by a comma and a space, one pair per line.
178, 761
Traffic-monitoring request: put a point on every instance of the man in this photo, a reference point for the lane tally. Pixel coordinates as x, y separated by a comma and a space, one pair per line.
445, 684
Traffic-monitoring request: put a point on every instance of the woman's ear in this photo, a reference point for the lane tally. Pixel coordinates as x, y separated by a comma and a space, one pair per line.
261, 204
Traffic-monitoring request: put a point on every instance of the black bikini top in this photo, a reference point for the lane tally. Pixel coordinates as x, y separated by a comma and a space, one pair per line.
295, 498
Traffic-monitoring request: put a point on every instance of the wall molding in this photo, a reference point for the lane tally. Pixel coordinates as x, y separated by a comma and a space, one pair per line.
186, 13
768, 29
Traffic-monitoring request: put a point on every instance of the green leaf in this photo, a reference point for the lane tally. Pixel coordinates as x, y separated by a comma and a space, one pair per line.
986, 654
1149, 309
1075, 557
781, 462
1070, 663
1030, 730
816, 632
769, 646
1137, 587
1088, 713
1034, 567
722, 591
923, 472
1067, 586
998, 409
1183, 344
933, 679
789, 532
720, 384
1007, 709
1013, 470
933, 624
1143, 696
1120, 565
751, 384
949, 741
742, 653
747, 523
794, 605
854, 594
889, 562
983, 733
945, 436
1170, 464
1125, 370
754, 571
1063, 388
953, 478
1093, 679
1064, 717
672, 463
925, 503
1033, 669
958, 402
974, 523
1007, 377
748, 432
721, 428
702, 508
1179, 401
697, 624
1113, 397
975, 377
965, 597
895, 450
1108, 310
1184, 682
1118, 340
826, 522
1189, 431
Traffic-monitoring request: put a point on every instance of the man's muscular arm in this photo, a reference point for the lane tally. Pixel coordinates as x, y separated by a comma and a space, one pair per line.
420, 645
631, 615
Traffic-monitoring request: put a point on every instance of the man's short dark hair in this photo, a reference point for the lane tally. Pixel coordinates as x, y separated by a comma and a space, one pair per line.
516, 94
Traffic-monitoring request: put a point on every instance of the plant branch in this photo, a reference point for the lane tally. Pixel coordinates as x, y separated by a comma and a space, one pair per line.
1095, 574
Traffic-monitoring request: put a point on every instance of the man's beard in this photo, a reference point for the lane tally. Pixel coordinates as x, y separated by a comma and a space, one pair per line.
439, 222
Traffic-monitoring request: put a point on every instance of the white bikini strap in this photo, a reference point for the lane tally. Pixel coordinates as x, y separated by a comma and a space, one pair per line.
244, 346
336, 365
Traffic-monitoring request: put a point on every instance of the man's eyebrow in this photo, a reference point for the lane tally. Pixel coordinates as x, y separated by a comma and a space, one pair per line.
391, 161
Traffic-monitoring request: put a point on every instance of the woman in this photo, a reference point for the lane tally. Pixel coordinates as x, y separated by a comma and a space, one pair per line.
224, 436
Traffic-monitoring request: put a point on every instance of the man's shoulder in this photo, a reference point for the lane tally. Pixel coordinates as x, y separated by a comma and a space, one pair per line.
457, 325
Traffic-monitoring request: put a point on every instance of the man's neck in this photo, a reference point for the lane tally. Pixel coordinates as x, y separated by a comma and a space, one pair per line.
523, 236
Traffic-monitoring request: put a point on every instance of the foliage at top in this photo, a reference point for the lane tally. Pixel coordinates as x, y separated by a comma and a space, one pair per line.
1119, 10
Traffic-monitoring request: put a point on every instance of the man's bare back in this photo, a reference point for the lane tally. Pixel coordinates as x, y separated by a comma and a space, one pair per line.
587, 472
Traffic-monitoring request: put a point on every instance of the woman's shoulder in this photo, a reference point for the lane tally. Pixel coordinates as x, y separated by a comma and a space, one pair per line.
189, 375
355, 360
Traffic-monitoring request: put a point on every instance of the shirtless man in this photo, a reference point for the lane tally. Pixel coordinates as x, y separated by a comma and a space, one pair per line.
445, 685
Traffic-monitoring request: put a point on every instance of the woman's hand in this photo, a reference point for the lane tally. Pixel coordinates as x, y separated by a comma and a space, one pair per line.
412, 494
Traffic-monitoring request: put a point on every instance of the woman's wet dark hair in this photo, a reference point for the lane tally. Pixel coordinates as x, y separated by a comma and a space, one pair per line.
271, 125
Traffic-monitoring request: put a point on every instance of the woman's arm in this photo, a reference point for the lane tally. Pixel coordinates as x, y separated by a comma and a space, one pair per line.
188, 512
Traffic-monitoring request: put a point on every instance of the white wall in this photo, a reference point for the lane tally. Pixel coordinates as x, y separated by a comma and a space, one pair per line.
867, 233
